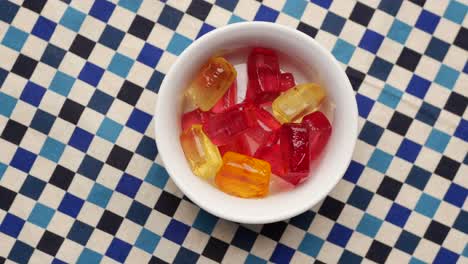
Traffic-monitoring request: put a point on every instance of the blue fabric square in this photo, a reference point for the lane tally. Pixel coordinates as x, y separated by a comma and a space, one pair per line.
80, 232
7, 104
53, 55
266, 13
118, 250
418, 86
111, 37
101, 102
178, 44
91, 74
205, 221
311, 245
57, 261
176, 231
427, 205
109, 129
428, 114
252, 259
354, 171
72, 19
90, 167
371, 41
147, 240
456, 195
3, 168
398, 215
360, 198
8, 11
102, 10
343, 51
227, 4
333, 23
150, 55
23, 160
456, 11
447, 76
139, 120
62, 83
437, 140
120, 65
32, 187
89, 257
32, 94
138, 213
371, 133
365, 105
41, 215
390, 96
390, 6
399, 31
418, 177
81, 139
380, 68
369, 225
147, 148
3, 76
303, 220
460, 222
14, 38
205, 29
11, 225
295, 8
52, 149
185, 256
462, 130
427, 21
407, 242
408, 150
170, 17
155, 81
323, 3
339, 235
71, 205
349, 257
44, 28
380, 161
416, 261
99, 195
445, 256
128, 185
157, 176
282, 254
437, 49
235, 19
21, 252
132, 5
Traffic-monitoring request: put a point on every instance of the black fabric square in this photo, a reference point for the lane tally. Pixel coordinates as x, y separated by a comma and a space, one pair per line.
408, 59
130, 93
199, 9
436, 232
82, 46
110, 222
156, 260
50, 243
35, 5
399, 123
456, 103
362, 14
71, 111
6, 198
389, 188
215, 249
119, 157
167, 204
355, 77
14, 131
274, 230
244, 238
331, 208
419, 2
62, 177
462, 38
24, 66
141, 27
447, 168
309, 30
378, 252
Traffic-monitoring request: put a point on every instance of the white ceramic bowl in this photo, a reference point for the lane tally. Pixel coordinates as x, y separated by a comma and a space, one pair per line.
323, 69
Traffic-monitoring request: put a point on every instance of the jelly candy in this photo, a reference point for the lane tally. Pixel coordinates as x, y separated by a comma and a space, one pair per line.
296, 102
295, 150
223, 127
286, 81
211, 82
194, 117
228, 99
263, 75
270, 151
243, 176
202, 155
319, 132
264, 125
239, 144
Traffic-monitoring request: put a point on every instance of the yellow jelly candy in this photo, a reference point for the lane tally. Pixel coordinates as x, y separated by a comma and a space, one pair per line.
298, 101
243, 176
202, 155
211, 82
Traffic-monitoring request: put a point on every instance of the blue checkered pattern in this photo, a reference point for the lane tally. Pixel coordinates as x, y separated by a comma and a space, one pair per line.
80, 177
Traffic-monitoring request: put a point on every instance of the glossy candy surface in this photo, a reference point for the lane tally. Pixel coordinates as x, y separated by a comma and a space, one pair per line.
320, 130
286, 81
243, 176
264, 125
194, 117
228, 99
239, 144
270, 151
263, 75
295, 150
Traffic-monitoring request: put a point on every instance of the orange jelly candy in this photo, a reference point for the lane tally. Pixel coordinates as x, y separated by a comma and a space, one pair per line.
243, 176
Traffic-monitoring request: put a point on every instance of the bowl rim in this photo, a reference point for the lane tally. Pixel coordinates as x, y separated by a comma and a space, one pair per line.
184, 188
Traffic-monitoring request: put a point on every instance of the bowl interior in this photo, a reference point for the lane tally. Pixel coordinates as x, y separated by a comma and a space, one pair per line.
309, 62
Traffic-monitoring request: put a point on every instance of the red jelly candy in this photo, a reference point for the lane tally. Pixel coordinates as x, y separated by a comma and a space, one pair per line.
320, 130
294, 142
223, 127
264, 125
263, 73
270, 151
228, 99
286, 81
238, 145
196, 116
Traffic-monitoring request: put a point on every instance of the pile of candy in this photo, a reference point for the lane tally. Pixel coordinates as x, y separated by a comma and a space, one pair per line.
252, 141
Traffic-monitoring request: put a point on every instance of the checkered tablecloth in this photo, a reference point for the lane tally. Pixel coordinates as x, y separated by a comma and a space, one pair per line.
80, 178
